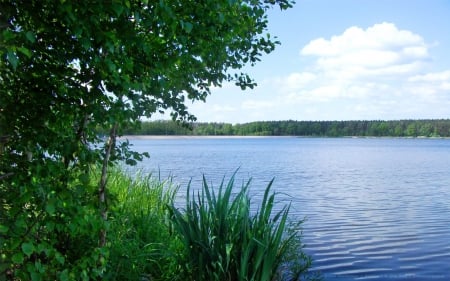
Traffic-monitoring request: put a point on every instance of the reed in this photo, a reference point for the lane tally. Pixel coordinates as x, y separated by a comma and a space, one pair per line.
224, 240
218, 235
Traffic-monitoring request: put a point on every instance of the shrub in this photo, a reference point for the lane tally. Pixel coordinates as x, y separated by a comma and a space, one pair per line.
49, 226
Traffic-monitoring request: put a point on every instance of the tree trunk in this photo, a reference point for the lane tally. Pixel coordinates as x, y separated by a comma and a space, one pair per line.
103, 205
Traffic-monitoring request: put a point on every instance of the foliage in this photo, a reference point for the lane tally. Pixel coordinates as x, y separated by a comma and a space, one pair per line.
50, 229
394, 128
225, 239
145, 242
140, 242
69, 68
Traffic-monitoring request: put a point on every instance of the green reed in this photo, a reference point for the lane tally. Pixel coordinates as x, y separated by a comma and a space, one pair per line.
224, 240
218, 235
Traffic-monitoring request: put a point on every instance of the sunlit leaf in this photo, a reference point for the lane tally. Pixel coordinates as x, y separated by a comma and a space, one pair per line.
24, 51
12, 59
30, 36
27, 248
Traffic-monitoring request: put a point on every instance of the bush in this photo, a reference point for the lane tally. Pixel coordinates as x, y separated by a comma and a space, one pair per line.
49, 226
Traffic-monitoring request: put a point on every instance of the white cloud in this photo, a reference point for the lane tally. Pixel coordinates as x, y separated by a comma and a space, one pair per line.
432, 86
382, 49
368, 73
257, 104
378, 37
297, 80
360, 63
443, 76
379, 72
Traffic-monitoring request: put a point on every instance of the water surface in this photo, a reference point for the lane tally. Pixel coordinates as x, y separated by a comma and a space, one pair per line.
376, 209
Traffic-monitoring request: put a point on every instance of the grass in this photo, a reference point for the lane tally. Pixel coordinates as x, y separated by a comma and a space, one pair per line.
216, 236
140, 239
223, 240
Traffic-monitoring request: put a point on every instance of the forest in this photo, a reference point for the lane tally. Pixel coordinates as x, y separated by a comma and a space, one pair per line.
374, 128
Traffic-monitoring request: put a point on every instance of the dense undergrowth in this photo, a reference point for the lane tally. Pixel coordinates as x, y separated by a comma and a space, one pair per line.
218, 234
215, 236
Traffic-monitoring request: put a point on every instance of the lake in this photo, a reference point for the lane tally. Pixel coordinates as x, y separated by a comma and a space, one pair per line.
376, 208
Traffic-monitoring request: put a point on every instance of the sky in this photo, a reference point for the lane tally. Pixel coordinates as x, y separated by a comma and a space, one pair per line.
346, 60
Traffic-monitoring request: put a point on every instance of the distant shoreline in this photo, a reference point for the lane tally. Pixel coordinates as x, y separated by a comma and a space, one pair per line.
155, 137
401, 128
163, 137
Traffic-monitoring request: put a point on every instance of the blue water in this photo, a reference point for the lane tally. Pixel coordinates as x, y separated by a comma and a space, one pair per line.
376, 209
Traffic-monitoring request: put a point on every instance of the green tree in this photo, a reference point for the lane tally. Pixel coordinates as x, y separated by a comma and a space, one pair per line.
71, 68
411, 130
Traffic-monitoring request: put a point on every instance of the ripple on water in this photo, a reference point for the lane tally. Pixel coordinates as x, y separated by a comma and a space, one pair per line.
377, 209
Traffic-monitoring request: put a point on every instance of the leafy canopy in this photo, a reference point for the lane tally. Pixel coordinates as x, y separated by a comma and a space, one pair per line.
68, 68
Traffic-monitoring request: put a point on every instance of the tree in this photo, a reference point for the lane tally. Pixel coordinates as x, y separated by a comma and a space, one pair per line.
68, 68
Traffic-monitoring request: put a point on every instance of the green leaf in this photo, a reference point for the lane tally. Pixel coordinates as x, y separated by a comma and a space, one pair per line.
25, 51
15, 242
86, 43
35, 276
118, 8
186, 26
64, 275
28, 248
131, 162
60, 258
30, 36
12, 59
3, 229
50, 208
7, 35
84, 178
20, 223
39, 267
17, 258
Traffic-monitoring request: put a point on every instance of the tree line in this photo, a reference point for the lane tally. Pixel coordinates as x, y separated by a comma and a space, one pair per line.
375, 128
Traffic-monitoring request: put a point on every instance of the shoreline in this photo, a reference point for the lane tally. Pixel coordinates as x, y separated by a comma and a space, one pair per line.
164, 137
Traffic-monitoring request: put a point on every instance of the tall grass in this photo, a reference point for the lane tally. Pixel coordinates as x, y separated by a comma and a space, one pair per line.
140, 240
224, 240
218, 235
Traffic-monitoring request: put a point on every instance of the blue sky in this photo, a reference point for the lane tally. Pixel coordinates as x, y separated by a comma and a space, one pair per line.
346, 60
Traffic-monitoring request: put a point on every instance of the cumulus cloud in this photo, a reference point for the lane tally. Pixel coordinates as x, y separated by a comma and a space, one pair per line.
382, 49
297, 80
380, 69
431, 86
359, 63
383, 36
376, 72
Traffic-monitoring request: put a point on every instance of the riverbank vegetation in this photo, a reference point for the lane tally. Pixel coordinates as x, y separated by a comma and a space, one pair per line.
374, 128
152, 235
216, 234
